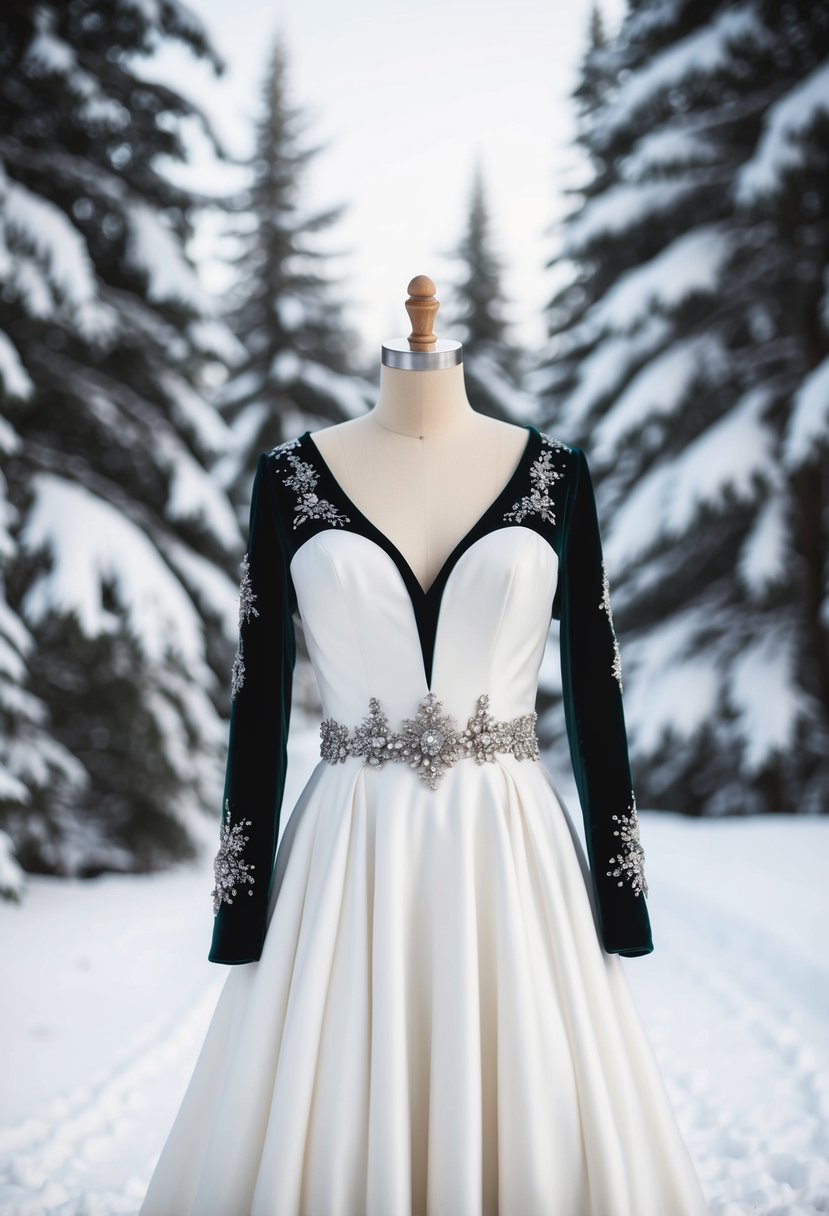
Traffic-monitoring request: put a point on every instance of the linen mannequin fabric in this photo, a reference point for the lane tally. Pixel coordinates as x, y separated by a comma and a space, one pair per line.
434, 1019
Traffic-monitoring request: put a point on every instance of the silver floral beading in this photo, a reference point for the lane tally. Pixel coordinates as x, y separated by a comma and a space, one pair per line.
542, 476
246, 611
604, 604
430, 742
230, 870
303, 481
629, 863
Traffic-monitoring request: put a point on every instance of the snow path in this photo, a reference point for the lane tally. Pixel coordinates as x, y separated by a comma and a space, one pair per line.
109, 993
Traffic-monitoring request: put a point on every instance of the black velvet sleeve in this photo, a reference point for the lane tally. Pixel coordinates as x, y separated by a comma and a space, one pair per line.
261, 689
592, 690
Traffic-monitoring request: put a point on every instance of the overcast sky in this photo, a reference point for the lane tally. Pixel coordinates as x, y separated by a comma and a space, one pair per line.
406, 98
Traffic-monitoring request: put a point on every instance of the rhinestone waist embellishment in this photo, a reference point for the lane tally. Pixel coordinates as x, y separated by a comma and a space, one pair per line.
430, 741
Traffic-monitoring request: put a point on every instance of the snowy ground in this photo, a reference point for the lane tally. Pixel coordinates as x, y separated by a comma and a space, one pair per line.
108, 993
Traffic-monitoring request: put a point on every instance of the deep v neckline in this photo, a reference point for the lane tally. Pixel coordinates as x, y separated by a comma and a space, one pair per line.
425, 602
427, 594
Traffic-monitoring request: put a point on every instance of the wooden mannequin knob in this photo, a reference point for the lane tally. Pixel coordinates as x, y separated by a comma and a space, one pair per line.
422, 308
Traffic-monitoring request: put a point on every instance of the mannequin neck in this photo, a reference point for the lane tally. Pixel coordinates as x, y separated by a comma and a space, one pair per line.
421, 404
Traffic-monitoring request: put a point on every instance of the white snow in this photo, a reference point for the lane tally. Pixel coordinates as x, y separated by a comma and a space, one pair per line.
678, 143
659, 388
213, 337
108, 993
16, 380
238, 388
691, 263
730, 454
677, 681
779, 149
604, 369
194, 494
155, 250
622, 207
707, 50
45, 229
90, 542
47, 54
763, 687
196, 414
809, 421
516, 404
290, 312
765, 554
351, 394
208, 583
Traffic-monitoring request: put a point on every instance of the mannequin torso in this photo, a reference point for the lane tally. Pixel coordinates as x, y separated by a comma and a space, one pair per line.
422, 465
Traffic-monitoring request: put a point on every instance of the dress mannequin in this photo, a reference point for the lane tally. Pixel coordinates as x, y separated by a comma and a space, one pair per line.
426, 1011
422, 465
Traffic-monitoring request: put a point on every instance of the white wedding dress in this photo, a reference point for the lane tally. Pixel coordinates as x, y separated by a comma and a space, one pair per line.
434, 1019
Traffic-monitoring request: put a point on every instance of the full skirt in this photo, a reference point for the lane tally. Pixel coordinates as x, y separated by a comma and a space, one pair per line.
433, 1028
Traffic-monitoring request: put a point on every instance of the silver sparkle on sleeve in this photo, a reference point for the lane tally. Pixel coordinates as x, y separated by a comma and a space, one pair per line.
629, 863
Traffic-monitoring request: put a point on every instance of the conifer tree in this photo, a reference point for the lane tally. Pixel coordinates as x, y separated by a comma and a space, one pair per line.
699, 388
299, 370
119, 548
477, 315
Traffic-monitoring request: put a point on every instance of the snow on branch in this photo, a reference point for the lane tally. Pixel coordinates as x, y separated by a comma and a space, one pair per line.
60, 249
601, 372
684, 143
194, 413
153, 249
676, 682
808, 432
49, 55
706, 51
764, 555
212, 589
91, 544
731, 453
779, 149
659, 388
620, 208
692, 263
762, 686
16, 381
194, 494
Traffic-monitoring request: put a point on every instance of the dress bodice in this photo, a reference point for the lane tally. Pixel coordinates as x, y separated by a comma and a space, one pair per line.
372, 631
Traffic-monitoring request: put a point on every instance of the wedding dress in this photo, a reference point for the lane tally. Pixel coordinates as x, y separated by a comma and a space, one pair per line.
432, 1018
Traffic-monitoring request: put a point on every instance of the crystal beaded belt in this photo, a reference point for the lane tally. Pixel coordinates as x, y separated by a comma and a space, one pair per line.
430, 742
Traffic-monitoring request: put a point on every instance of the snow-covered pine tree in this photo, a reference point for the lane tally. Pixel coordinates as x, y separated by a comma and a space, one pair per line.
702, 394
120, 550
477, 313
299, 370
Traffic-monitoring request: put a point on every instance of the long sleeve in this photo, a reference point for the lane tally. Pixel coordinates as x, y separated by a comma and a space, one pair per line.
261, 689
592, 690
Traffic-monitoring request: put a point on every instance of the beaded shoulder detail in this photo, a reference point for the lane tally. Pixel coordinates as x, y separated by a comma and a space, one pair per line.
300, 476
544, 473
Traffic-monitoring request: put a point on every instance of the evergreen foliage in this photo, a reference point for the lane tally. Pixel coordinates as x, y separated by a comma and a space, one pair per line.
120, 551
688, 356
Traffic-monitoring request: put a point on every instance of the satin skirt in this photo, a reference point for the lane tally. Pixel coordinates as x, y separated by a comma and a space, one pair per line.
433, 1028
